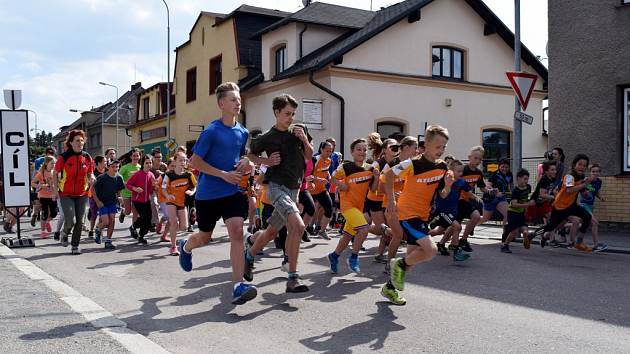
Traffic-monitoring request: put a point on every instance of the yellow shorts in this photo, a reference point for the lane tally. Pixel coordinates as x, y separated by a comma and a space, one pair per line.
355, 221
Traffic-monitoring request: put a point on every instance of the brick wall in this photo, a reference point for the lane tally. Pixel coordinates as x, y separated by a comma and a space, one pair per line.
616, 207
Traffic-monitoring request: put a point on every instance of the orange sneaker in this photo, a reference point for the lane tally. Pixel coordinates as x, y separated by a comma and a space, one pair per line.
582, 247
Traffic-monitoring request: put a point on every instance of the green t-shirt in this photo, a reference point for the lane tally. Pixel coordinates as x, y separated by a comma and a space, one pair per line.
126, 172
521, 196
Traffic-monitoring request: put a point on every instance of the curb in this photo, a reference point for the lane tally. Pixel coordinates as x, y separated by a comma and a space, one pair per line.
96, 315
615, 250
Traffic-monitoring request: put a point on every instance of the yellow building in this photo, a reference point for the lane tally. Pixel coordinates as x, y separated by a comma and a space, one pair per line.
220, 48
150, 127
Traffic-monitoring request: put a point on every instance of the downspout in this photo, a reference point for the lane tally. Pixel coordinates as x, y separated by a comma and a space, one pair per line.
301, 39
342, 113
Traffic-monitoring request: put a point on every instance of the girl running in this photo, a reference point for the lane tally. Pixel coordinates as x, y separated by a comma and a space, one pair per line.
176, 185
141, 186
321, 177
46, 195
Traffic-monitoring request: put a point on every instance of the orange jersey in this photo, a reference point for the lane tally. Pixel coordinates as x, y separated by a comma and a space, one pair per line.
358, 179
160, 193
565, 199
474, 178
376, 195
177, 185
320, 170
421, 178
399, 182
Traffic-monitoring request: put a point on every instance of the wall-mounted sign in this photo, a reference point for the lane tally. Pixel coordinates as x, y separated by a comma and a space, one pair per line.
16, 176
152, 134
312, 113
195, 128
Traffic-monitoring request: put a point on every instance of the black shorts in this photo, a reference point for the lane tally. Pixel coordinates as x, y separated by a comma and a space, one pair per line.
444, 220
33, 196
466, 208
210, 211
372, 206
515, 221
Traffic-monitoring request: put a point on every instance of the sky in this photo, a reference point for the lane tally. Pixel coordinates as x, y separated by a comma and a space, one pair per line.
56, 51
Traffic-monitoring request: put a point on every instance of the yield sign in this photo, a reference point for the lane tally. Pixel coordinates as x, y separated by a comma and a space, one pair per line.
523, 85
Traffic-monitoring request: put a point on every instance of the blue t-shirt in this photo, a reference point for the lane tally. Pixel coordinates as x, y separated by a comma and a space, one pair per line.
449, 204
221, 147
587, 197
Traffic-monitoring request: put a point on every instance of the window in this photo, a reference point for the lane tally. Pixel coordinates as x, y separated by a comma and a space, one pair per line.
215, 73
145, 108
281, 59
545, 123
448, 63
390, 129
157, 104
626, 128
191, 85
496, 142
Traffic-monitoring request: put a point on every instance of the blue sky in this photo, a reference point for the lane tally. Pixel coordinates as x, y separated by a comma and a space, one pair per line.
57, 51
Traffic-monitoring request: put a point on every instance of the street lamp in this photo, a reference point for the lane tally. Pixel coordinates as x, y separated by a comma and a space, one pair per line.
102, 121
116, 87
168, 72
35, 113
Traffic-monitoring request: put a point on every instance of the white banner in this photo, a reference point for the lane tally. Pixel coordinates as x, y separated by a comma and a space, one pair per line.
16, 177
312, 113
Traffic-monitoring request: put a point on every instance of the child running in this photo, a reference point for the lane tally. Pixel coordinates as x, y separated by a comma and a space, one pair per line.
516, 212
43, 184
353, 179
126, 171
495, 197
319, 192
421, 176
106, 191
99, 168
176, 185
587, 200
141, 187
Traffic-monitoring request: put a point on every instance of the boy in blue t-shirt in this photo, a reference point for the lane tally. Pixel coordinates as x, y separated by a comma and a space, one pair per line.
448, 193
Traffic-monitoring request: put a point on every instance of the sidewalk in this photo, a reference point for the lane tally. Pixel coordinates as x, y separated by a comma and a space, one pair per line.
617, 242
35, 320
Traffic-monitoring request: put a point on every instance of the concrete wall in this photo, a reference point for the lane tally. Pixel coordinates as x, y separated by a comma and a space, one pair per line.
406, 47
588, 64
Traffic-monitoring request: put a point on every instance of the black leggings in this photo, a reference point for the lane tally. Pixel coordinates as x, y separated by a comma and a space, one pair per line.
324, 200
143, 223
559, 216
49, 208
307, 202
282, 234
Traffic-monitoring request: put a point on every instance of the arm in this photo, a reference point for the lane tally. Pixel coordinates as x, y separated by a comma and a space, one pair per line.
98, 202
374, 183
165, 182
198, 163
448, 180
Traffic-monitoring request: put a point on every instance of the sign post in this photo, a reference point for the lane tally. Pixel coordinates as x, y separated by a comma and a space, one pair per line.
16, 177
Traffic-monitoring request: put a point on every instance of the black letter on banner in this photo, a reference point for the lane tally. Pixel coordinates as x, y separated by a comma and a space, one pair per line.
13, 183
15, 158
9, 135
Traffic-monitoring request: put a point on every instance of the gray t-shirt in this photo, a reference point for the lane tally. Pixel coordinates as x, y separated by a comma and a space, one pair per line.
107, 186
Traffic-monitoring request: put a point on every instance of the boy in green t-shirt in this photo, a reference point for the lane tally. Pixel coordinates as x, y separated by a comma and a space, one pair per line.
516, 212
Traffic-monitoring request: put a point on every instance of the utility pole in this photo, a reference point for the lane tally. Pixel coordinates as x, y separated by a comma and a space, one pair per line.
517, 144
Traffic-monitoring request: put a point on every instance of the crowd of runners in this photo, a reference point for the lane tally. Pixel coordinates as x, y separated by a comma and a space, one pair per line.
289, 188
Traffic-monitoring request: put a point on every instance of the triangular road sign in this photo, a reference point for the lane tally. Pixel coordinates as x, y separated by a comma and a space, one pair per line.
523, 85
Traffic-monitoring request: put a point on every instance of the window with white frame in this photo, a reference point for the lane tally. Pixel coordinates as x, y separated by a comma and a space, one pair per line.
626, 129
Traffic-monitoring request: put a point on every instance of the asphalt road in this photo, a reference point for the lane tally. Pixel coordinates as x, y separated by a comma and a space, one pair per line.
540, 300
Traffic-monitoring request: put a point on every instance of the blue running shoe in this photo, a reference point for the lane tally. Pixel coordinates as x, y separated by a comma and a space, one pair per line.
185, 258
243, 293
333, 258
460, 256
353, 263
97, 236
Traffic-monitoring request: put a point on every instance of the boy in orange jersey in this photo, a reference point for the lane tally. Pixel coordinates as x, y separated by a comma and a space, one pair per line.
353, 179
421, 176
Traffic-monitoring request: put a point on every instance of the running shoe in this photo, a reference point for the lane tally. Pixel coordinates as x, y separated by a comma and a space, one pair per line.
305, 237
583, 247
56, 235
190, 229
97, 236
109, 245
285, 266
43, 234
397, 274
152, 228
185, 258
353, 263
392, 295
543, 241
243, 293
465, 245
460, 256
165, 238
173, 251
442, 250
64, 240
121, 218
158, 228
75, 250
48, 226
323, 234
333, 258
554, 244
380, 258
248, 272
600, 247
90, 235
133, 232
142, 240
527, 241
505, 249
571, 246
33, 219
295, 285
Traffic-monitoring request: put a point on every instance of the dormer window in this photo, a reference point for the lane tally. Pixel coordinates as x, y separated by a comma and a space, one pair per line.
280, 59
448, 63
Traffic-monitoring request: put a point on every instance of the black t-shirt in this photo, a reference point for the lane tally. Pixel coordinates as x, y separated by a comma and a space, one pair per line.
545, 183
290, 171
107, 186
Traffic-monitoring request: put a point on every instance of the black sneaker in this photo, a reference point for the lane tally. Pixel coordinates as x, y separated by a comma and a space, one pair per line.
90, 235
465, 246
295, 285
56, 236
64, 241
442, 250
505, 249
109, 245
75, 250
305, 237
190, 229
152, 228
543, 241
142, 240
133, 232
33, 218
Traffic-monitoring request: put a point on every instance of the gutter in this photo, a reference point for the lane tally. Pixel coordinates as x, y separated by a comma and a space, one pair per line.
302, 38
342, 113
